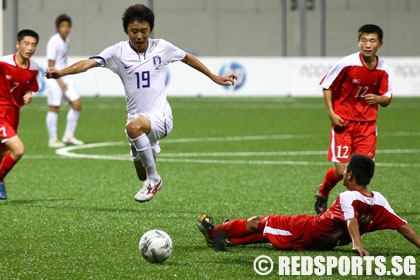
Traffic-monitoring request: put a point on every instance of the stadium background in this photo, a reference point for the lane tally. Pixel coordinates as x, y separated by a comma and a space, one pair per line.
291, 42
72, 216
225, 28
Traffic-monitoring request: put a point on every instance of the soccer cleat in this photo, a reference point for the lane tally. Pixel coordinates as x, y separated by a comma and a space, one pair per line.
321, 202
148, 190
220, 241
205, 225
56, 144
3, 194
73, 141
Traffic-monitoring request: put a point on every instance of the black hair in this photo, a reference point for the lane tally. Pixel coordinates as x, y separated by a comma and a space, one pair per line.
27, 32
138, 12
362, 167
61, 18
371, 29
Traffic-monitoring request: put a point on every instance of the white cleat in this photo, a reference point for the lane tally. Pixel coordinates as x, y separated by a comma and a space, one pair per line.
148, 190
72, 141
56, 144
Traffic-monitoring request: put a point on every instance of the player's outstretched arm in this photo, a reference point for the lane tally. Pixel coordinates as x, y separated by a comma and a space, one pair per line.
78, 67
408, 232
192, 61
353, 228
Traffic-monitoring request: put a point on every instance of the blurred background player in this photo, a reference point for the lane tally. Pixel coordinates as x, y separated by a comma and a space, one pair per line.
355, 212
18, 81
352, 90
141, 64
61, 90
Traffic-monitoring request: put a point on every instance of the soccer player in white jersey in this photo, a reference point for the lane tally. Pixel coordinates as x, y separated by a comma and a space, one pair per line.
355, 212
141, 64
353, 90
61, 90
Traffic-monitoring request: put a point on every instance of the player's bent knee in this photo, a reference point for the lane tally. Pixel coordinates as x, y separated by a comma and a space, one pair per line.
134, 129
137, 127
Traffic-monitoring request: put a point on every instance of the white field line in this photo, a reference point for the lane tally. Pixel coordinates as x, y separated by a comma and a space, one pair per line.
68, 152
237, 138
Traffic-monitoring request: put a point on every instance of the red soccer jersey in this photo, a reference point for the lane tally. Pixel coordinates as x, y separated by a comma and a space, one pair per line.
15, 81
329, 229
372, 213
349, 80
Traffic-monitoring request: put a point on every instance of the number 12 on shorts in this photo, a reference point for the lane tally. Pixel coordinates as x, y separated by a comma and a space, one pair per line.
342, 151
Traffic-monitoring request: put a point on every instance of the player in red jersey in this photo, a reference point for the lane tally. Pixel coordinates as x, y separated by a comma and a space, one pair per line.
353, 89
18, 81
355, 212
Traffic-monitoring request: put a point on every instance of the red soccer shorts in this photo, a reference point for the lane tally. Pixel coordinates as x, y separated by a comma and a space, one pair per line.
289, 232
9, 121
353, 138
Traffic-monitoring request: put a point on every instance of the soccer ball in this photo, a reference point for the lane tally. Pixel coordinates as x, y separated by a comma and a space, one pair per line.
155, 246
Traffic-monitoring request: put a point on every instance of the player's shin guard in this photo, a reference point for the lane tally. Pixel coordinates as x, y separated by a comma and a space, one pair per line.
235, 228
145, 153
72, 120
51, 122
6, 165
330, 181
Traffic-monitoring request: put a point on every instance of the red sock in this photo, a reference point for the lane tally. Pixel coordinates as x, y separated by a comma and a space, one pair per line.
235, 228
250, 239
6, 165
330, 180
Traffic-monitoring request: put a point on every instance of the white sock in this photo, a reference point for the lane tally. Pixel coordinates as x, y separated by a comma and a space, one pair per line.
144, 149
51, 122
72, 119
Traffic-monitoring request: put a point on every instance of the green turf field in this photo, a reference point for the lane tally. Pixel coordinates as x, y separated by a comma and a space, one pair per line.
73, 216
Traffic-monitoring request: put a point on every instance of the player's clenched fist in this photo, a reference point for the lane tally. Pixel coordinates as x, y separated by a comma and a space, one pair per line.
52, 73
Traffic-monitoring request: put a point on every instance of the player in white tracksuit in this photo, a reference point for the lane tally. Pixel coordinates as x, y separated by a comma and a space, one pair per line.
141, 64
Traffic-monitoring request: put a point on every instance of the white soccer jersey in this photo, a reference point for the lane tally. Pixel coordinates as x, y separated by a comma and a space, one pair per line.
143, 74
57, 50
